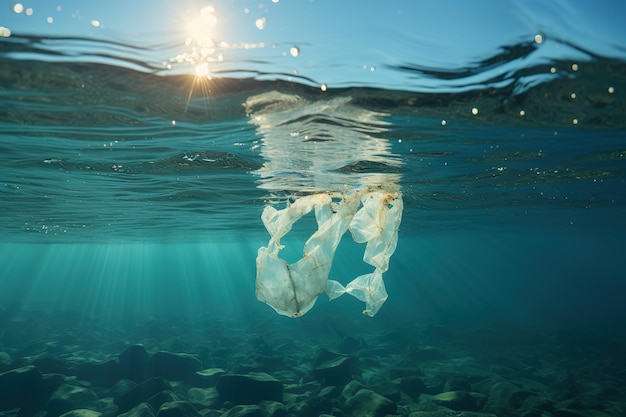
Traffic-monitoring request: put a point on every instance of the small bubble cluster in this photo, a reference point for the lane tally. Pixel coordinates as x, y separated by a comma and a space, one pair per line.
19, 8
260, 23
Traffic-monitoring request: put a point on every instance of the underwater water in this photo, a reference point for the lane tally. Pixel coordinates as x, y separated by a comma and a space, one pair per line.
133, 178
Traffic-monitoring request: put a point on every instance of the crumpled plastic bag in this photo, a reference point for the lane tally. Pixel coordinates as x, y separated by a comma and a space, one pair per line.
373, 217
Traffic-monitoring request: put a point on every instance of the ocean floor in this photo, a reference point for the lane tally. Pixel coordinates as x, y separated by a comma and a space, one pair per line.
63, 365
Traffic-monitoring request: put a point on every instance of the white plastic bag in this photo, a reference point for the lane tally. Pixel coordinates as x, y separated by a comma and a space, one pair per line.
373, 217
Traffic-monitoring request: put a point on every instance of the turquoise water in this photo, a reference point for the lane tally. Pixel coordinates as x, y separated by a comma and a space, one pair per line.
127, 183
131, 193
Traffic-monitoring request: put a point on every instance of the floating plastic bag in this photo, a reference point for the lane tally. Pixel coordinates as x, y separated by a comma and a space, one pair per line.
368, 288
377, 224
373, 217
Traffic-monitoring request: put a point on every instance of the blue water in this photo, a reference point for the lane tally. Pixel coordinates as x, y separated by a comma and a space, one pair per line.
142, 186
130, 194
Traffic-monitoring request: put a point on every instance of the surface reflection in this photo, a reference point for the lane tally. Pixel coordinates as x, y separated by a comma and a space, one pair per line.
321, 145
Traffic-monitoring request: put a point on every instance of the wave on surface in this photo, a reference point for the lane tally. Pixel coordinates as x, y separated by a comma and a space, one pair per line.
122, 147
518, 67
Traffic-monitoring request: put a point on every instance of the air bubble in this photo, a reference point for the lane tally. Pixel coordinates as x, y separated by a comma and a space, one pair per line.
18, 8
294, 51
260, 23
323, 87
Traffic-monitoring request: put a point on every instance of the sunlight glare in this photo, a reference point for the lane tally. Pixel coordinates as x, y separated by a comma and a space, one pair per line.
202, 70
200, 42
200, 28
200, 49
